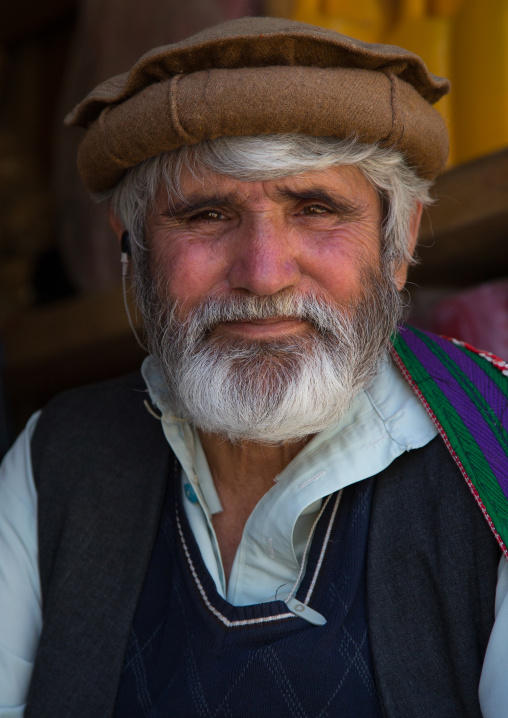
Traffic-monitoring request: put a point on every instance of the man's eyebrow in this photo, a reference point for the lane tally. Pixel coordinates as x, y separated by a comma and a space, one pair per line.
195, 203
182, 207
347, 209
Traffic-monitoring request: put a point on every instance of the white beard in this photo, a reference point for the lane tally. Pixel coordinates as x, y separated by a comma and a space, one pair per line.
277, 390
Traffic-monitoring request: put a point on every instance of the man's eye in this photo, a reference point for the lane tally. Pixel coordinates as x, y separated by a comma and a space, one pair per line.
207, 215
315, 209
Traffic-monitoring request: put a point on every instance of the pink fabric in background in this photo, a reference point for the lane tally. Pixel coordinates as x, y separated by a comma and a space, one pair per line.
478, 316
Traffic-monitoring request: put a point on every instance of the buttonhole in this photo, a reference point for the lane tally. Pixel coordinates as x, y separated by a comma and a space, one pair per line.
313, 478
270, 548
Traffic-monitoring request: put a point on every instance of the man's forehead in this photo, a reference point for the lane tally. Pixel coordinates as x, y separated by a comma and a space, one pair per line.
345, 181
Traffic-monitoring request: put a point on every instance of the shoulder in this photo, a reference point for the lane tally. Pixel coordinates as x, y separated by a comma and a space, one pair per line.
99, 460
425, 489
417, 348
465, 391
97, 426
95, 398
90, 409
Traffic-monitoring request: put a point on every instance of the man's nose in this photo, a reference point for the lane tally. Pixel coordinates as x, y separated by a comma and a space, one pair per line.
265, 260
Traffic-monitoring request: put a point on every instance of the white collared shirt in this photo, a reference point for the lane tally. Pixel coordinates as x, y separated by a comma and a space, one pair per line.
382, 423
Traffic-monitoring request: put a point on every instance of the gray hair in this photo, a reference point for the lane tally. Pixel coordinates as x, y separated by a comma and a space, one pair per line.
269, 157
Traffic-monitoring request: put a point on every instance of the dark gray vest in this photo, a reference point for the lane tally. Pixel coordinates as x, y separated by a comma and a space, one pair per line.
101, 463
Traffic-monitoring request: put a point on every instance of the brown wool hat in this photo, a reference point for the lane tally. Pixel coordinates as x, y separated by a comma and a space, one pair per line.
256, 76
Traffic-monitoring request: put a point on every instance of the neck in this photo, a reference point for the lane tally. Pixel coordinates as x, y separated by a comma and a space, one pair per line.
242, 472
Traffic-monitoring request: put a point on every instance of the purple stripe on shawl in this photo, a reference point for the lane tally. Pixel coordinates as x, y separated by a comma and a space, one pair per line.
485, 384
467, 410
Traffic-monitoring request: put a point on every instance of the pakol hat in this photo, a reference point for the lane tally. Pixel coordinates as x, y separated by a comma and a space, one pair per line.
255, 76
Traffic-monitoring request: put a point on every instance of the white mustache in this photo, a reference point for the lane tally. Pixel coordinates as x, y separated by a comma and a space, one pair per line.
288, 304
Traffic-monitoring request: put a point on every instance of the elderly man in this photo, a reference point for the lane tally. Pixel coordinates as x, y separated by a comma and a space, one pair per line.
266, 522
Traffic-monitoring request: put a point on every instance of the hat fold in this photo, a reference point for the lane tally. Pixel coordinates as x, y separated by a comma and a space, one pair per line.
258, 76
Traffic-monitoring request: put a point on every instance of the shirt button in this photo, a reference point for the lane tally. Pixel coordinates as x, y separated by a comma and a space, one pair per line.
190, 493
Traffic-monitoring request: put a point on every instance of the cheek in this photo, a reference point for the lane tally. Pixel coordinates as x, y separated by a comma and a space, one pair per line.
189, 270
337, 262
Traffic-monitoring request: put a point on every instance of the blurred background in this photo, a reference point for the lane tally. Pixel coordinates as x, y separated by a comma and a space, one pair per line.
62, 321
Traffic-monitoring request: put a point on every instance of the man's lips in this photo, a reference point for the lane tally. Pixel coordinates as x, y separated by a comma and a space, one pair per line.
272, 320
262, 327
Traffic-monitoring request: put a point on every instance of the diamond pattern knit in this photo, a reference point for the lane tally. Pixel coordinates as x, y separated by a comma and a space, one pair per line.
193, 654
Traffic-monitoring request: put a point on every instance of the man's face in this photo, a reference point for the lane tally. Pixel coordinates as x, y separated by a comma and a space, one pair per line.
265, 303
311, 233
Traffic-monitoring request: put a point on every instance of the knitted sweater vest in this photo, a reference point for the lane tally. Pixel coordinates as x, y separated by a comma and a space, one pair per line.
192, 654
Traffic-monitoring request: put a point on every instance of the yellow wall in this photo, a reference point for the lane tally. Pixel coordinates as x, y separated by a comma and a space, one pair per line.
464, 40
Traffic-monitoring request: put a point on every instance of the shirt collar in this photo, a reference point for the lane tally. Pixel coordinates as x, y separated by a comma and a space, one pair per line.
382, 422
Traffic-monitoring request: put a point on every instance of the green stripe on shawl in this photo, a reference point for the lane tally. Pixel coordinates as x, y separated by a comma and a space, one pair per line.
470, 455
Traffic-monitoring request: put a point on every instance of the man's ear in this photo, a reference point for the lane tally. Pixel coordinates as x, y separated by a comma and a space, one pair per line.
116, 224
414, 227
